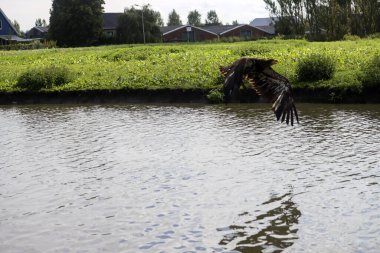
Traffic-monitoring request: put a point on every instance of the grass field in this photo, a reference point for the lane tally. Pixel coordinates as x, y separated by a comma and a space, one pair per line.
183, 66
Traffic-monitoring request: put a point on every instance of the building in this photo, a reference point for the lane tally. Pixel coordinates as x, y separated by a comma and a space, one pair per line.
37, 32
244, 31
8, 33
265, 24
110, 22
189, 33
186, 33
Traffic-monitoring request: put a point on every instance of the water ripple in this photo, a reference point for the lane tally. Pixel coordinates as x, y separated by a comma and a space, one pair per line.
180, 178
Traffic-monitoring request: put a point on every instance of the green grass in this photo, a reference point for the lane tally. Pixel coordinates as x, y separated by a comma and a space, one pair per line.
183, 66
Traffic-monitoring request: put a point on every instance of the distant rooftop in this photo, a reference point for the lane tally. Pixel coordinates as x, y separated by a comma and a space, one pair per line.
265, 24
219, 29
263, 21
110, 20
14, 38
170, 28
215, 29
43, 29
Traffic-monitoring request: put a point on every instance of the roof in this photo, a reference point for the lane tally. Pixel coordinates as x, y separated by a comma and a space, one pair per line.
9, 21
169, 29
265, 24
268, 29
220, 29
216, 29
42, 29
111, 19
14, 38
263, 21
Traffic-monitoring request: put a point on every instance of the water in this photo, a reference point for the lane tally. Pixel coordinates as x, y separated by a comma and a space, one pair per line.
181, 178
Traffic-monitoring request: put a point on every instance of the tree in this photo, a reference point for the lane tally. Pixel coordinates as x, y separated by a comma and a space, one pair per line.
194, 18
367, 16
159, 20
16, 25
40, 22
235, 22
76, 22
331, 19
212, 18
174, 19
130, 26
290, 16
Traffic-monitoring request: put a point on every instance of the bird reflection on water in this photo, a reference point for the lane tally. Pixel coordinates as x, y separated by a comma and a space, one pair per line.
270, 231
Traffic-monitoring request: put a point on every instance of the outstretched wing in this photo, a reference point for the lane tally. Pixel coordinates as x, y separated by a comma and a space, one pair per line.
234, 75
277, 88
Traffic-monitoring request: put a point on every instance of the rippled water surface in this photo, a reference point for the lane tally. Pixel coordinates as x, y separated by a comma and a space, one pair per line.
180, 178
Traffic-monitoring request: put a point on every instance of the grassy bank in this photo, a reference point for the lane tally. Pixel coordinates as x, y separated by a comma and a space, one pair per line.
185, 66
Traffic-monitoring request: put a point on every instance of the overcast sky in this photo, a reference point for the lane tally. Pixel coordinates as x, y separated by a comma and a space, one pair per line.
244, 11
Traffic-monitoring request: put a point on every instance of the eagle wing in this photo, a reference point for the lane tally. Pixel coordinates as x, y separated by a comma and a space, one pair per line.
277, 88
234, 76
265, 81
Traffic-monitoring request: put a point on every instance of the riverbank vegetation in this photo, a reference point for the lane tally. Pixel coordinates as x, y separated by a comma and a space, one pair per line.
322, 20
189, 66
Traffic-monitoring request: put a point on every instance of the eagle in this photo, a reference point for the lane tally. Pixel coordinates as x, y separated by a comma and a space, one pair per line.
265, 81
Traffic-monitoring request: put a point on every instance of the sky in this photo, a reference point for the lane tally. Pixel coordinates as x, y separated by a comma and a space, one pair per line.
25, 12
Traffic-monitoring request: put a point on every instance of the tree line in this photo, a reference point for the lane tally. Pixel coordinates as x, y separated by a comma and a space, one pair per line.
325, 19
79, 23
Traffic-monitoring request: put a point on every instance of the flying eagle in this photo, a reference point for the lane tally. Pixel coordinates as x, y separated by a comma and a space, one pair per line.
265, 81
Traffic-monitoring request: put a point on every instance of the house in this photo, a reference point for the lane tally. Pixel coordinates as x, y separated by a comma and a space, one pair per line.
186, 33
265, 24
189, 33
37, 32
110, 22
8, 33
244, 31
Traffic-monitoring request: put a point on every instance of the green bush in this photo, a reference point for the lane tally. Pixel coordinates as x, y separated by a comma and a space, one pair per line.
30, 46
374, 36
215, 96
351, 37
315, 67
36, 79
371, 73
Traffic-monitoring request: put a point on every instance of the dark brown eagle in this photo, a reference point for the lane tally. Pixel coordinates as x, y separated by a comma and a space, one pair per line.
265, 81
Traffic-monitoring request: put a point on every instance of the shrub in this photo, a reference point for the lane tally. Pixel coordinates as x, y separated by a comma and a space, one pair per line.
374, 36
370, 77
30, 46
215, 96
231, 39
315, 67
351, 37
36, 79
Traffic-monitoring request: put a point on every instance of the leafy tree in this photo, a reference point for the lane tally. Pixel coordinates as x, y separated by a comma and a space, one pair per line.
212, 18
76, 22
130, 26
174, 18
194, 18
235, 22
40, 22
16, 25
369, 13
160, 21
331, 18
290, 16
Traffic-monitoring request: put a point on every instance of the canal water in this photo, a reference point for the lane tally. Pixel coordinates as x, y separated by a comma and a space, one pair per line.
189, 178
